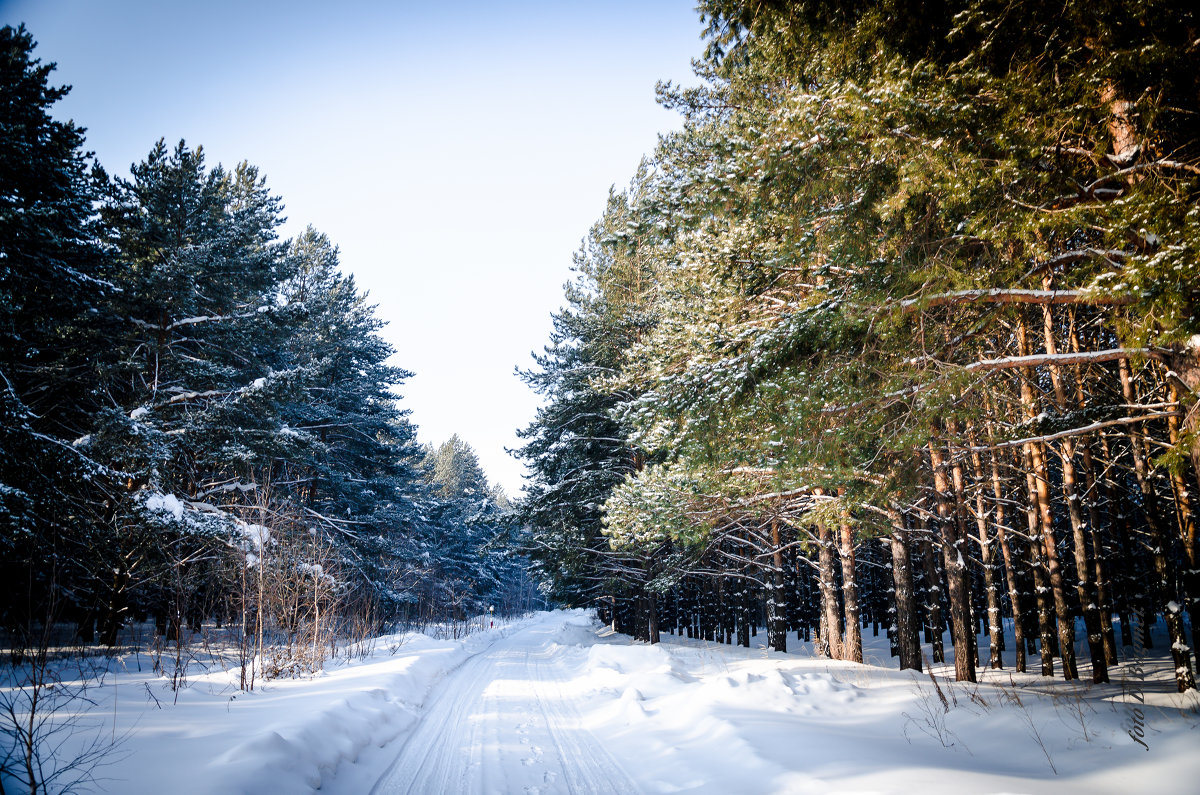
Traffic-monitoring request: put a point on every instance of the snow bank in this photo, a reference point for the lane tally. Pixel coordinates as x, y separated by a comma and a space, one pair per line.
702, 717
680, 716
317, 725
286, 736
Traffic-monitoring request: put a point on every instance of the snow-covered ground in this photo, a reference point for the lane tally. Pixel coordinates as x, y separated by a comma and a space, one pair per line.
558, 703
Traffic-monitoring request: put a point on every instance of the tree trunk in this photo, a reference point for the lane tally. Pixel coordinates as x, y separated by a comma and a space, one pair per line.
1172, 609
776, 608
908, 642
852, 647
933, 595
1091, 493
652, 618
1010, 572
1041, 483
1186, 365
962, 630
1041, 589
987, 560
1085, 587
1187, 525
830, 633
1123, 595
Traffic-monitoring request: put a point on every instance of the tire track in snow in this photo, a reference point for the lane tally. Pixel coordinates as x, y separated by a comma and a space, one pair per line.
424, 762
503, 722
596, 771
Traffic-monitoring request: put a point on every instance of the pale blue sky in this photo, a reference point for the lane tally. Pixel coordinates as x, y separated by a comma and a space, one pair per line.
457, 153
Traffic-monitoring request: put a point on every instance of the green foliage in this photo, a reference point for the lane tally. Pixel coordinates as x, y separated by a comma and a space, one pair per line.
172, 375
844, 164
51, 291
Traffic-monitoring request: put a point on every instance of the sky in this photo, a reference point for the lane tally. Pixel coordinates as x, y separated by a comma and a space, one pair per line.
457, 153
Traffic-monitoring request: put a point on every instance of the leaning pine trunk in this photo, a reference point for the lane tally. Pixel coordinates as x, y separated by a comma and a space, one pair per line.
1091, 504
1085, 587
1041, 496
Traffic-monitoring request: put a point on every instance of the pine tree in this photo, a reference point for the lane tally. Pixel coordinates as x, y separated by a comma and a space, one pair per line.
576, 449
870, 210
51, 294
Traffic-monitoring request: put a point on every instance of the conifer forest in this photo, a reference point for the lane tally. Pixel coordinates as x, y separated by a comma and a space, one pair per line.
200, 420
892, 342
899, 331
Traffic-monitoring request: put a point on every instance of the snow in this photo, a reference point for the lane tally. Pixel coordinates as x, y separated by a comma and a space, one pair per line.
165, 503
558, 703
317, 572
255, 535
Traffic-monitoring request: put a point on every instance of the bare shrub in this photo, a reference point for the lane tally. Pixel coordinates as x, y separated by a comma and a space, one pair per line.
48, 740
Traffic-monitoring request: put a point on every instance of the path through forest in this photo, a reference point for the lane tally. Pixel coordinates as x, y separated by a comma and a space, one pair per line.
505, 722
560, 704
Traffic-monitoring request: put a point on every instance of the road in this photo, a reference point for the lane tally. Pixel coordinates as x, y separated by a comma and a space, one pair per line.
505, 722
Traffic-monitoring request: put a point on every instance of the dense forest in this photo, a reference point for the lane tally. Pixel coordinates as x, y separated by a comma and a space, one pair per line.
899, 329
199, 418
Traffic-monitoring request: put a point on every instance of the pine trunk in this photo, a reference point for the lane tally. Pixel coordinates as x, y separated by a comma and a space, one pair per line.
933, 595
1085, 587
1187, 526
908, 642
962, 630
852, 646
776, 607
1172, 609
830, 633
987, 560
1045, 515
1041, 590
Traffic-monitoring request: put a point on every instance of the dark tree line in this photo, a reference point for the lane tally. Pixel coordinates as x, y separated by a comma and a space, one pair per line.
900, 330
199, 417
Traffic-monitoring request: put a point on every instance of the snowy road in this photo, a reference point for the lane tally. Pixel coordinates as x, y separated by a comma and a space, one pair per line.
557, 703
505, 721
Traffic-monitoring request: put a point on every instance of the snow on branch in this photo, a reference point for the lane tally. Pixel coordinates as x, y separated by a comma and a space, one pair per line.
189, 321
228, 487
1083, 357
194, 395
1172, 165
1095, 426
998, 295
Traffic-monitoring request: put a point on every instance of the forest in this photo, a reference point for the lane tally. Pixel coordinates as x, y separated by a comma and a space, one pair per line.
899, 329
199, 419
896, 332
